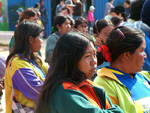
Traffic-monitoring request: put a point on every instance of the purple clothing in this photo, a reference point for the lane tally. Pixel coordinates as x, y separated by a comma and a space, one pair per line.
29, 84
90, 17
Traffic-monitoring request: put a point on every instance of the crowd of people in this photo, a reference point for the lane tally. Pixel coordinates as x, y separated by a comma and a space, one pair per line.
90, 66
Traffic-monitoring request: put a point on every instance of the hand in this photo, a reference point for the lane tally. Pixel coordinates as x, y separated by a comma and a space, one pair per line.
98, 42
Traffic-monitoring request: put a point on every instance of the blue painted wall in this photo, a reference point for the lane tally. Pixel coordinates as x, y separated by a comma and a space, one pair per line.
31, 3
12, 14
100, 7
27, 3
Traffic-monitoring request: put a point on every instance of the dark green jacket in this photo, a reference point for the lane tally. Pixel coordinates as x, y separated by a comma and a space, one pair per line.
70, 100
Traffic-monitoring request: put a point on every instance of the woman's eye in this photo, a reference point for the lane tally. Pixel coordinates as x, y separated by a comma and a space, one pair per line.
87, 56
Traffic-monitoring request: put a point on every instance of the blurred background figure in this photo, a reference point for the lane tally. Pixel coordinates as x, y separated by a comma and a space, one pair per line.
59, 7
101, 29
117, 11
61, 26
37, 8
90, 18
19, 11
127, 4
77, 10
116, 20
108, 6
81, 24
70, 5
44, 16
65, 11
84, 11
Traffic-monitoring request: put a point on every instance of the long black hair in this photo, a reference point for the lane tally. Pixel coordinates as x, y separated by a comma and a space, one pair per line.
63, 66
21, 36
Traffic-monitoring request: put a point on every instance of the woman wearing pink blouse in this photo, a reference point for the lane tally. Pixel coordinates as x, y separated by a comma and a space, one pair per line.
90, 17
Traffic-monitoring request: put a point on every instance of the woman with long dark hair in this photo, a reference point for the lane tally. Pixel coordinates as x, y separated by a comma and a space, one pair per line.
66, 88
25, 71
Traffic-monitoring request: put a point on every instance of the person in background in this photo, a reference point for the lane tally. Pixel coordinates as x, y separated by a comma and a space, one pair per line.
108, 6
101, 30
61, 26
135, 21
2, 73
28, 14
84, 10
116, 20
67, 88
90, 17
77, 10
127, 4
65, 11
19, 11
44, 16
25, 70
59, 7
70, 5
37, 6
123, 80
118, 11
81, 24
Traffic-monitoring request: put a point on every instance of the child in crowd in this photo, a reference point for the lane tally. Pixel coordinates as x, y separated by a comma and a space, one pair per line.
90, 17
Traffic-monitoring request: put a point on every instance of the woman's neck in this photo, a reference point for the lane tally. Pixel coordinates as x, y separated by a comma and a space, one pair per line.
120, 66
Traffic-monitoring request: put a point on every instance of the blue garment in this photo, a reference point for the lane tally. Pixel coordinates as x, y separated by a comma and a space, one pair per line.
135, 85
58, 8
37, 68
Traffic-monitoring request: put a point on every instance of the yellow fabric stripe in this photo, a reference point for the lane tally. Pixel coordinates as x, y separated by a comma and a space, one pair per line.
115, 71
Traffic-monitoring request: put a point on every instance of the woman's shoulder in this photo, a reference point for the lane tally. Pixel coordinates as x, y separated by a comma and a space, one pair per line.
53, 36
16, 61
146, 74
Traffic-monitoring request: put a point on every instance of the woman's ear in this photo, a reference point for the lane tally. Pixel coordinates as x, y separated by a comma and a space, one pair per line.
31, 39
126, 56
58, 26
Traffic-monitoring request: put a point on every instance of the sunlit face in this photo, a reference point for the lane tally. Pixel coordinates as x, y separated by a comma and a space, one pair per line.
88, 62
103, 35
65, 27
35, 44
137, 59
